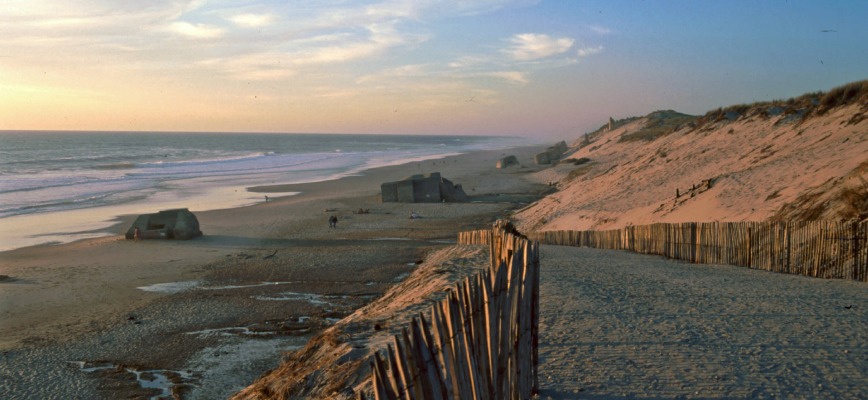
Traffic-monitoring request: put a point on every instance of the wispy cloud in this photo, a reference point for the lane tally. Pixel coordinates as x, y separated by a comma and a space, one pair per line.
532, 46
404, 71
588, 51
515, 77
198, 31
252, 20
252, 67
379, 38
468, 61
333, 93
601, 30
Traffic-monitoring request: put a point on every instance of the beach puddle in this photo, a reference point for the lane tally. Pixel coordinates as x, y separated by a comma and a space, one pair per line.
311, 298
162, 380
406, 239
293, 326
170, 287
178, 287
92, 367
231, 331
230, 287
213, 372
169, 383
236, 362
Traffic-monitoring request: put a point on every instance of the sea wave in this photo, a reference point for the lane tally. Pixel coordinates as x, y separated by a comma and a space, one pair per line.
51, 180
241, 166
207, 161
122, 165
62, 204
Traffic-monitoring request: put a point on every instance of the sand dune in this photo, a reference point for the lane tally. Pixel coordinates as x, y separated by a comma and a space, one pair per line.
744, 167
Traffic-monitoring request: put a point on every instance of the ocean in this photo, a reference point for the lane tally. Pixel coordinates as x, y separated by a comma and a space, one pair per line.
57, 187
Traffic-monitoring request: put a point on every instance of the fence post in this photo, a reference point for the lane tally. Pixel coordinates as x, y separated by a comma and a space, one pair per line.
749, 251
854, 230
695, 245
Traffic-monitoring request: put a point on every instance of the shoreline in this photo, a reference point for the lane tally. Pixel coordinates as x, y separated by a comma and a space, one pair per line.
273, 268
67, 226
119, 223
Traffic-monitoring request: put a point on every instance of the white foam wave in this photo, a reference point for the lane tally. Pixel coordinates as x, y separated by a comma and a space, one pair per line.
215, 160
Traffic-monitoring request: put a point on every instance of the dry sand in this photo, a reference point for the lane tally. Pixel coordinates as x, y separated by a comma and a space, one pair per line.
220, 310
618, 325
757, 166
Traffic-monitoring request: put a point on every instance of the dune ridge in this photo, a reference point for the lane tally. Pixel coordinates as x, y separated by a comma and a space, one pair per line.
803, 158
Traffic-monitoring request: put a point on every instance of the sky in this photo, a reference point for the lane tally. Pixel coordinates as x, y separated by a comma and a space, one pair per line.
546, 69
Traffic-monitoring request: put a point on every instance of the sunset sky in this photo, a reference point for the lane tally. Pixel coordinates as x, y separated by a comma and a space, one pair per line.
550, 69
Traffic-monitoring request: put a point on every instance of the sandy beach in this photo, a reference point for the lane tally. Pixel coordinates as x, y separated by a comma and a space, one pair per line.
202, 319
111, 318
722, 133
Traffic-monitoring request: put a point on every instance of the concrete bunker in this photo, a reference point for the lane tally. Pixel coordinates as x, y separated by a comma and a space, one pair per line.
507, 162
430, 188
552, 154
178, 223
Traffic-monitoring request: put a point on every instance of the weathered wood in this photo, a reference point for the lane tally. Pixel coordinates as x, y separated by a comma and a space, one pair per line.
824, 249
380, 390
465, 391
428, 370
535, 314
482, 332
390, 382
407, 367
482, 340
444, 353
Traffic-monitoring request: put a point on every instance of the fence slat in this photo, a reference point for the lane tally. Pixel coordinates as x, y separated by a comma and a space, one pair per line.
822, 249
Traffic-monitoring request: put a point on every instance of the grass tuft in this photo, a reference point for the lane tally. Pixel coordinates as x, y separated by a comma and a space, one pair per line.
660, 123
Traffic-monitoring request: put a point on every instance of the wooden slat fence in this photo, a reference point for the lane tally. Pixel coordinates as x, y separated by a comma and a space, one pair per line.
825, 249
482, 236
478, 343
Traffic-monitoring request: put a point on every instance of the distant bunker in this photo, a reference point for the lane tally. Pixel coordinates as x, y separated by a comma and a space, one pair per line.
506, 162
167, 224
551, 154
431, 188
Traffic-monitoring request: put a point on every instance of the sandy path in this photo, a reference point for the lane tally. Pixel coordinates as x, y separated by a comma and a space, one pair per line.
622, 325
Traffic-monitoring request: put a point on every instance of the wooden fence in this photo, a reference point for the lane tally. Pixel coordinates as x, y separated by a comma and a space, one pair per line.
482, 236
478, 343
834, 250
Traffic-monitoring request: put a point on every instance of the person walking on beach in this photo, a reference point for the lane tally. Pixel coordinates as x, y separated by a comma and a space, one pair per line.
333, 222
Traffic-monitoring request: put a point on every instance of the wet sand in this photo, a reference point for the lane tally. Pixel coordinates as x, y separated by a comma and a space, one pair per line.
111, 318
